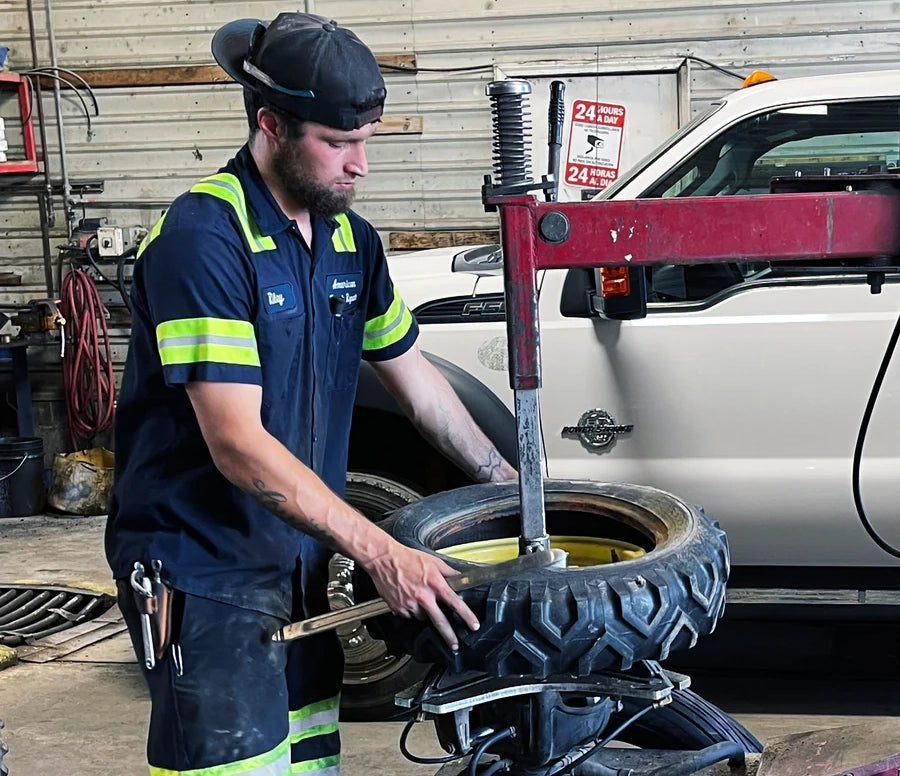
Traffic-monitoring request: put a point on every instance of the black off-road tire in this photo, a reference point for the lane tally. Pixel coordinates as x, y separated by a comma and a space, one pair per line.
572, 620
372, 676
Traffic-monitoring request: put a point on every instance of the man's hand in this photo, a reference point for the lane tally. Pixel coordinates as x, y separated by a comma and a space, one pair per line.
413, 584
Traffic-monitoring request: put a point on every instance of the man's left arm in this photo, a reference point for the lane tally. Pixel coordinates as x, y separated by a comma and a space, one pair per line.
436, 411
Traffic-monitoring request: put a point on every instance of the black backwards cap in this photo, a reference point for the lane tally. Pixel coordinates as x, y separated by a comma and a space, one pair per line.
305, 65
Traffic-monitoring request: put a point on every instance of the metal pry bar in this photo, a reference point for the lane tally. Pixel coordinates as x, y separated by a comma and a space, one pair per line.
478, 576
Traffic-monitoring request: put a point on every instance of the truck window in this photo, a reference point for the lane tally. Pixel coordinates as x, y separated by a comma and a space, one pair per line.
839, 138
850, 153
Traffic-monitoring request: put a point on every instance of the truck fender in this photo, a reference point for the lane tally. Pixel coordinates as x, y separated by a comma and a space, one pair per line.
485, 407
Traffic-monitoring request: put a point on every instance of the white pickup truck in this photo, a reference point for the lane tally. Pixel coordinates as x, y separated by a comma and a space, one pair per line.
741, 387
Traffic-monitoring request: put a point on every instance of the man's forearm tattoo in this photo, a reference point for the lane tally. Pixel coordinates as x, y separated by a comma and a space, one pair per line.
274, 502
454, 443
270, 499
326, 537
486, 471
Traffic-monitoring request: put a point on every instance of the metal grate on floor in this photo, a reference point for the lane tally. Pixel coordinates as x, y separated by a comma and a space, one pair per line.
29, 612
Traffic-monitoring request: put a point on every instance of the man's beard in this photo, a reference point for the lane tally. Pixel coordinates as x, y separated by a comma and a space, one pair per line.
306, 192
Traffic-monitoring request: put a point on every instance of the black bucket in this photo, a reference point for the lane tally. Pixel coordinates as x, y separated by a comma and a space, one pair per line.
21, 476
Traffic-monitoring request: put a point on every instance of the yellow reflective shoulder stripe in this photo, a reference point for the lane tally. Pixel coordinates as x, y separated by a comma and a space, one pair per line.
153, 234
342, 237
204, 340
389, 328
227, 187
275, 762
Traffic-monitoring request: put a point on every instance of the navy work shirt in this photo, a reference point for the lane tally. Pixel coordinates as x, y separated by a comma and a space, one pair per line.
226, 290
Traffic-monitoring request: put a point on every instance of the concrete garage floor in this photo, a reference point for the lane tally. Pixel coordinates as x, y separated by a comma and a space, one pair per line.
86, 714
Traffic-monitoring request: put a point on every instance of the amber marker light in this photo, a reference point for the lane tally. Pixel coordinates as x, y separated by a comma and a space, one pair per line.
614, 281
758, 77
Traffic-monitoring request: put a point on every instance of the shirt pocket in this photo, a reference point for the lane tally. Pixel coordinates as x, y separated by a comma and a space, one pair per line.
283, 355
345, 348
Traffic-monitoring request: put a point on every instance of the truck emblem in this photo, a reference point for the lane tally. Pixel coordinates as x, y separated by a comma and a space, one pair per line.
597, 429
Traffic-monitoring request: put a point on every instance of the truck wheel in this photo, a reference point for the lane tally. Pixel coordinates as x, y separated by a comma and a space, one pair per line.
664, 588
372, 676
688, 722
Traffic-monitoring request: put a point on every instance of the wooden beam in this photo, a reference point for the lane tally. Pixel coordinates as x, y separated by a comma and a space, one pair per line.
399, 125
135, 77
416, 241
389, 62
187, 75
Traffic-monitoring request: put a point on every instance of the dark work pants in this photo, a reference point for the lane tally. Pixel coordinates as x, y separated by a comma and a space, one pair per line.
259, 707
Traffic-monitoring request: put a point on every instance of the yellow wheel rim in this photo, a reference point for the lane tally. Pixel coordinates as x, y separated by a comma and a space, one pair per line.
583, 550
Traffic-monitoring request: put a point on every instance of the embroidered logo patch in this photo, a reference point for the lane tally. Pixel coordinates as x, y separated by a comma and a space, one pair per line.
280, 298
345, 288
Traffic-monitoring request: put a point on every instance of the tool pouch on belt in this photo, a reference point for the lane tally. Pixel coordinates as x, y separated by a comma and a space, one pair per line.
161, 619
156, 602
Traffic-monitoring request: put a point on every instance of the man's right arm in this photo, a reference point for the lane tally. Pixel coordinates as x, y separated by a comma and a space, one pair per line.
413, 583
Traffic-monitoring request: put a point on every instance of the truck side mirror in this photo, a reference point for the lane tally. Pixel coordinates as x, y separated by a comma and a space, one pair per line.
583, 297
622, 304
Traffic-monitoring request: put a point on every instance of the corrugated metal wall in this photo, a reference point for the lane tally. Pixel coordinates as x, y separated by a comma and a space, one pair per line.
150, 143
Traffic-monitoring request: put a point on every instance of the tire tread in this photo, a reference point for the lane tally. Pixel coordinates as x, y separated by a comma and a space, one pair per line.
586, 620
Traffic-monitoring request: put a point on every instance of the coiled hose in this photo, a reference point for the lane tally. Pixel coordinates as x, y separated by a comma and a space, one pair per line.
88, 378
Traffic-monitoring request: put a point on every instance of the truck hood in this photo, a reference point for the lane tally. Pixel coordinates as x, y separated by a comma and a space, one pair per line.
417, 275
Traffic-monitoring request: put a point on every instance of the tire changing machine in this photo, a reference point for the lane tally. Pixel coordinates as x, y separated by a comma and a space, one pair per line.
549, 727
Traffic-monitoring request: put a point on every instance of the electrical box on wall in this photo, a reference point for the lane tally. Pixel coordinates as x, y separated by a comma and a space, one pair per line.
116, 240
107, 253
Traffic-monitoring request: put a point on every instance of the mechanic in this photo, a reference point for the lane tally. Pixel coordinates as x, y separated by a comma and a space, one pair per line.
254, 298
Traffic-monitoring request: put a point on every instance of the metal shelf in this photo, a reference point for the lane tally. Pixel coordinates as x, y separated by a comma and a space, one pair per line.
30, 164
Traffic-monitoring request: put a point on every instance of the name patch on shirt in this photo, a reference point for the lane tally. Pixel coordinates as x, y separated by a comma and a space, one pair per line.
343, 290
280, 298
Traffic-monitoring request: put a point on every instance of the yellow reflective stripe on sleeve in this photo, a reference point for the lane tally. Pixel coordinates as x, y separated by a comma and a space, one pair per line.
227, 187
275, 762
154, 233
323, 766
389, 328
198, 340
342, 237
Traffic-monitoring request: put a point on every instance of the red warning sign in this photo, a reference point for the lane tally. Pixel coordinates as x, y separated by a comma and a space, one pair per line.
595, 144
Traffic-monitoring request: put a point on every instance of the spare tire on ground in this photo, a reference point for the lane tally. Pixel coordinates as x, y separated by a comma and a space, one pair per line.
650, 580
688, 722
372, 676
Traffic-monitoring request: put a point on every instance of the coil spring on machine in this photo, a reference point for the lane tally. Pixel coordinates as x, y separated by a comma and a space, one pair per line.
512, 131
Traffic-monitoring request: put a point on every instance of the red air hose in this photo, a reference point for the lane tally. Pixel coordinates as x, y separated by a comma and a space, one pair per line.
88, 377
